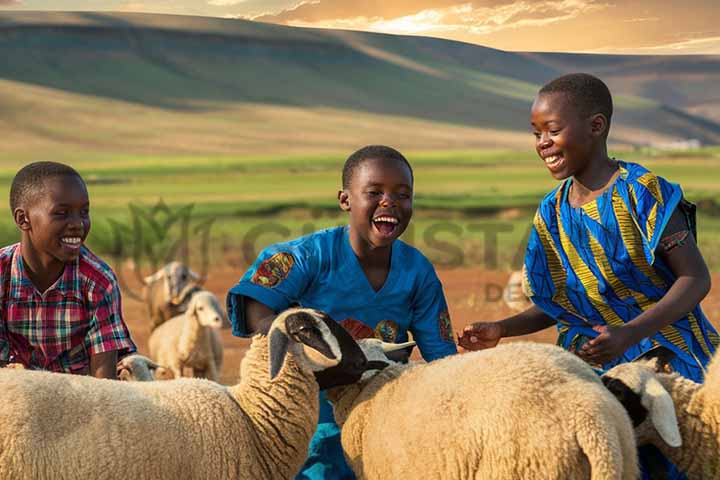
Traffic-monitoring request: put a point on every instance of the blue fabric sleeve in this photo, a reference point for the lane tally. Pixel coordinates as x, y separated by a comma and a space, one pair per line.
277, 279
656, 199
430, 326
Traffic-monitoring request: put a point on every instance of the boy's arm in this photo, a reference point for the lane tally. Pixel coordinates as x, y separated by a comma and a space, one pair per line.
680, 253
430, 325
273, 283
108, 335
480, 335
258, 316
103, 365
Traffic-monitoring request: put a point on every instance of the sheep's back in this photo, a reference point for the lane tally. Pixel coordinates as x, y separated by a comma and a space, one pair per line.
94, 428
474, 415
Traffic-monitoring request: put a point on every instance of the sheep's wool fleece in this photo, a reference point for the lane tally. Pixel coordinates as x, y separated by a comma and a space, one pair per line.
697, 407
519, 410
55, 426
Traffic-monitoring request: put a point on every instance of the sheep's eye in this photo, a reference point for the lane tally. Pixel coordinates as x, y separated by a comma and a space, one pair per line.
200, 309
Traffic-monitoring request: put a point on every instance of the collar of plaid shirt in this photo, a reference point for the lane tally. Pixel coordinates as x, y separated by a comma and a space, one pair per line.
19, 285
68, 284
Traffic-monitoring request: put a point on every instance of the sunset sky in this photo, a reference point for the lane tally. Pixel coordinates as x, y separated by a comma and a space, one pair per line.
619, 26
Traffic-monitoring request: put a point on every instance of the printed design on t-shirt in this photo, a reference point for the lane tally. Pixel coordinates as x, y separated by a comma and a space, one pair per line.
357, 329
446, 332
274, 270
387, 331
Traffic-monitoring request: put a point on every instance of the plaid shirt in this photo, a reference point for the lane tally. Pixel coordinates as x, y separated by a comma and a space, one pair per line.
78, 316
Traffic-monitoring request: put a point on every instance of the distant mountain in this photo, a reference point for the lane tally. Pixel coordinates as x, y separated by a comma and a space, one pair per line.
161, 82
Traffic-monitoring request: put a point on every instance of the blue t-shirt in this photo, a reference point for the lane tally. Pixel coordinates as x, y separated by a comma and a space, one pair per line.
321, 271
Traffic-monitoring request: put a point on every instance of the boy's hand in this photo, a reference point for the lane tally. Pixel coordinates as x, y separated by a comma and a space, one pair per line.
481, 335
609, 345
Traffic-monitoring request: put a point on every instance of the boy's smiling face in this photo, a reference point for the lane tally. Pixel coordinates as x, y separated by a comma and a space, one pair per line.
564, 139
379, 200
57, 219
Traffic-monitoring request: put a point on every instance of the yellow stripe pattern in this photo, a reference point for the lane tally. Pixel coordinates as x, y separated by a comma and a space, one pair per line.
695, 327
651, 221
557, 272
633, 240
650, 181
586, 276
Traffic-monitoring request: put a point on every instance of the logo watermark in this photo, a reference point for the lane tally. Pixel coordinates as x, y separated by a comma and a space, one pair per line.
158, 235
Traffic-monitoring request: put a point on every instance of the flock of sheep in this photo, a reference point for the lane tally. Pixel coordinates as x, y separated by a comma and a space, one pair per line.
520, 410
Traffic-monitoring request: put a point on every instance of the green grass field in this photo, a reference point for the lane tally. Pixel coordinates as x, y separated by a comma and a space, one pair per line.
472, 208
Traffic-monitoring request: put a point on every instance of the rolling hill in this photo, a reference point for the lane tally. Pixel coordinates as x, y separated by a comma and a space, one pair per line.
163, 83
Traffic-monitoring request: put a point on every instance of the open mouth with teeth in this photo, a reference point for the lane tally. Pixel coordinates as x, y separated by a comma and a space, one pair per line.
554, 162
73, 243
386, 225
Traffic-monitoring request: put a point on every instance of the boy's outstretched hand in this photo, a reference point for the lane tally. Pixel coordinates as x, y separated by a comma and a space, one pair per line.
606, 347
481, 335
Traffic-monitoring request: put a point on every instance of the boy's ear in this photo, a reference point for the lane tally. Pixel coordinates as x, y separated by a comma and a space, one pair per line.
344, 200
21, 219
598, 124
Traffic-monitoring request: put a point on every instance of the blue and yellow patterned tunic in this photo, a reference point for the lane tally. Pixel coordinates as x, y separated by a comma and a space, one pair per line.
596, 264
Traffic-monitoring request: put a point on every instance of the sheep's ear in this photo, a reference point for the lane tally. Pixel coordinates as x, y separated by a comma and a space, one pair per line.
193, 276
398, 352
659, 359
662, 412
154, 277
278, 347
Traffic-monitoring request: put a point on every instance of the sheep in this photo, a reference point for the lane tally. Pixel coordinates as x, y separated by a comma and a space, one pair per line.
513, 294
167, 291
680, 417
191, 340
519, 410
55, 426
139, 368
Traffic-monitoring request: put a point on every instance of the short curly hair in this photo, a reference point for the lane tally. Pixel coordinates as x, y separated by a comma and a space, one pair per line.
379, 152
587, 93
30, 181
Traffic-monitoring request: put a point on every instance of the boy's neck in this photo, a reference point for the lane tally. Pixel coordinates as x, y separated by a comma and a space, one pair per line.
375, 261
42, 270
599, 172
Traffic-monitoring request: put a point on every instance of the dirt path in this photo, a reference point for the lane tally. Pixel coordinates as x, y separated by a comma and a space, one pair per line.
472, 294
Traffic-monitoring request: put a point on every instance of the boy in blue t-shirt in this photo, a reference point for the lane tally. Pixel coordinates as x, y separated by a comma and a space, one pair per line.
361, 272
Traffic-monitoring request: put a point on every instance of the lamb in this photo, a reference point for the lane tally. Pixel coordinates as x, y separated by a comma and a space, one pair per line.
55, 426
191, 340
519, 410
167, 291
139, 368
680, 417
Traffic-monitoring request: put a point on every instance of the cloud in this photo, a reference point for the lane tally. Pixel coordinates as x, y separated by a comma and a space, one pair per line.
225, 3
312, 11
455, 17
688, 46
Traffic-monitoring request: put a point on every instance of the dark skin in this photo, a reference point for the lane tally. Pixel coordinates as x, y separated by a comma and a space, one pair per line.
53, 224
379, 189
572, 145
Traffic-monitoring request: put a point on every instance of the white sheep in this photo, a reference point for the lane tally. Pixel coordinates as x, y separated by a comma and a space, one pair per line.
139, 368
55, 426
519, 410
167, 291
191, 340
680, 417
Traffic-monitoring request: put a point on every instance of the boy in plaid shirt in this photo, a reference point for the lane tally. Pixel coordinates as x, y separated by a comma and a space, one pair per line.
60, 305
